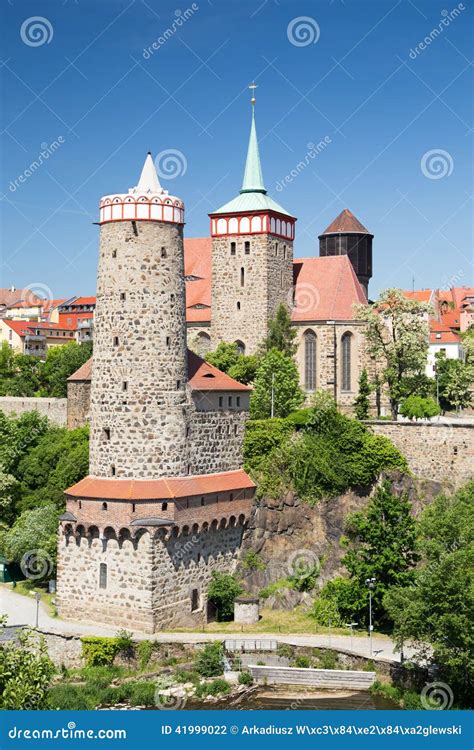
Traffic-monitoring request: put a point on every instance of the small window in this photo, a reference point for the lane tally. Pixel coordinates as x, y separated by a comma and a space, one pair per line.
194, 600
168, 341
455, 450
238, 305
164, 506
123, 296
247, 248
237, 400
104, 506
202, 501
163, 252
284, 252
114, 253
242, 277
124, 385
133, 507
80, 504
112, 470
231, 495
116, 340
103, 575
106, 433
172, 297
221, 401
229, 401
276, 249
178, 384
232, 248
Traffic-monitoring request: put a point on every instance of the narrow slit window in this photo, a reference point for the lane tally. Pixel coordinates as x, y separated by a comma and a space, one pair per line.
163, 252
112, 471
103, 575
247, 248
194, 600
233, 248
114, 253
242, 277
116, 340
123, 296
124, 385
106, 433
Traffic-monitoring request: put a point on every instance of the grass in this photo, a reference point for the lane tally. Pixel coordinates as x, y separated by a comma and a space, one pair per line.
271, 621
27, 588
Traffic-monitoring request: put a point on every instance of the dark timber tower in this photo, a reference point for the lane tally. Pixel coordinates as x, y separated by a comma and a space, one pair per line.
347, 236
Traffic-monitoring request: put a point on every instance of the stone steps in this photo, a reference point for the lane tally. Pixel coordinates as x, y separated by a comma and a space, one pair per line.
320, 678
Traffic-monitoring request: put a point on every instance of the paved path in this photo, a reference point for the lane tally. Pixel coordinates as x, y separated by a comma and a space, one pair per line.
21, 610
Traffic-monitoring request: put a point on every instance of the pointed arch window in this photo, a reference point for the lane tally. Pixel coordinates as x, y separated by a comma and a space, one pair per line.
346, 357
310, 360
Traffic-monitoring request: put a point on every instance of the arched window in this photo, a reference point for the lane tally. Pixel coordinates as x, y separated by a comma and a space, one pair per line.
310, 360
203, 341
346, 345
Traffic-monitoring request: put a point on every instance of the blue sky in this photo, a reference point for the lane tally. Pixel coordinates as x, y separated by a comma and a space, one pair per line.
355, 76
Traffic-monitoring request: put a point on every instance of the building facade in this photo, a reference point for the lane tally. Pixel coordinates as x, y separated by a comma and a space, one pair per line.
166, 500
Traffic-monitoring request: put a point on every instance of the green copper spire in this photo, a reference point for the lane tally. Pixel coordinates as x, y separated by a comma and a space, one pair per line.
253, 177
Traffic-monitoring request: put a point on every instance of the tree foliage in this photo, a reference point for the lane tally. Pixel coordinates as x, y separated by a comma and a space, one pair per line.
35, 531
397, 335
455, 379
223, 590
418, 407
25, 674
227, 358
277, 383
281, 333
61, 362
362, 401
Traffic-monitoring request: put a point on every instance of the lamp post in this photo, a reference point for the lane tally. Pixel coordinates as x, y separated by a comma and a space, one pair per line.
351, 625
38, 599
369, 582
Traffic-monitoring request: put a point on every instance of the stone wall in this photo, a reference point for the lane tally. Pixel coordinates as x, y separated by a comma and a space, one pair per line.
78, 403
216, 441
150, 583
440, 452
241, 312
53, 408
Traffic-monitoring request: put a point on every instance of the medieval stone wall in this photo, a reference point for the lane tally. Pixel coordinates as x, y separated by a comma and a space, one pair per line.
53, 408
216, 441
440, 452
149, 583
138, 394
268, 280
78, 403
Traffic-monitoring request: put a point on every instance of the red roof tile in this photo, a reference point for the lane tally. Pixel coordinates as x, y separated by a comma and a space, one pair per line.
167, 488
20, 327
84, 301
441, 333
346, 222
422, 295
325, 289
10, 296
202, 376
198, 263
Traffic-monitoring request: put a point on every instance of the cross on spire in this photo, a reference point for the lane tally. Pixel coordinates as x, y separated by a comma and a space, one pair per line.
252, 87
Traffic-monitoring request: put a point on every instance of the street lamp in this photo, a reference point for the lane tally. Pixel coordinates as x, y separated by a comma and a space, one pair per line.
38, 599
351, 625
369, 582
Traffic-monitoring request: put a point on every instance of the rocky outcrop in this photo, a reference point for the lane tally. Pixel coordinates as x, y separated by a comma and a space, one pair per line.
286, 532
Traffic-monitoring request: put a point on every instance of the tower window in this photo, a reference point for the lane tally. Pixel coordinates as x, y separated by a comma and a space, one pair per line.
232, 248
247, 248
106, 433
178, 384
168, 342
238, 305
202, 501
194, 600
164, 506
123, 296
124, 385
284, 252
163, 252
116, 340
114, 253
112, 470
103, 575
133, 507
172, 297
276, 249
104, 506
242, 276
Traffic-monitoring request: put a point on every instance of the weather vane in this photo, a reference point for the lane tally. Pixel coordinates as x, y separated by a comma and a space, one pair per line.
252, 88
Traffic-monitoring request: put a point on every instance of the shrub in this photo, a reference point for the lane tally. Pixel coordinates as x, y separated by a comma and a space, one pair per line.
245, 678
262, 436
418, 407
275, 587
141, 693
144, 652
125, 643
210, 661
223, 590
97, 650
285, 650
327, 659
302, 662
252, 561
325, 612
216, 687
183, 675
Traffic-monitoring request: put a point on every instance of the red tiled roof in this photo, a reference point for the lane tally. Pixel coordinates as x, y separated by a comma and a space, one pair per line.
167, 488
9, 297
84, 301
346, 222
21, 327
441, 333
202, 376
53, 326
450, 318
325, 289
460, 293
422, 295
50, 304
198, 263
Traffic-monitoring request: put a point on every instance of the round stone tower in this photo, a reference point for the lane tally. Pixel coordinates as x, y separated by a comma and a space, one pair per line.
138, 415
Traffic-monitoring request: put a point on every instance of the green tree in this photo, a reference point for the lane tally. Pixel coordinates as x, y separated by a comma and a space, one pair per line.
224, 356
362, 401
276, 383
25, 674
223, 590
437, 608
61, 362
281, 333
8, 494
381, 545
34, 533
210, 660
245, 368
455, 379
18, 435
417, 407
397, 335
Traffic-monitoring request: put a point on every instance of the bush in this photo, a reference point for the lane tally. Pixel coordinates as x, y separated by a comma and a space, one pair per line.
302, 662
210, 661
144, 652
325, 612
417, 407
216, 687
252, 561
183, 675
125, 643
222, 592
245, 678
327, 659
261, 437
97, 650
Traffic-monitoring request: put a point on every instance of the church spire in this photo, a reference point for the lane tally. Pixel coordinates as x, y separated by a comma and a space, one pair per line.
253, 177
148, 182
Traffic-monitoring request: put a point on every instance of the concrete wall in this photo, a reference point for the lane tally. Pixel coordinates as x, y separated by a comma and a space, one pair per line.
322, 678
53, 408
442, 452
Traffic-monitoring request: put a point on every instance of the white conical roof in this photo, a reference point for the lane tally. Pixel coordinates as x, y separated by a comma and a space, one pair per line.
148, 182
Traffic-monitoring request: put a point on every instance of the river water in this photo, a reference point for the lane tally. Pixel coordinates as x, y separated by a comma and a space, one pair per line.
275, 699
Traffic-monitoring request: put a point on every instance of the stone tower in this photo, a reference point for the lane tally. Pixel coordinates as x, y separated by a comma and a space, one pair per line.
347, 236
252, 258
138, 407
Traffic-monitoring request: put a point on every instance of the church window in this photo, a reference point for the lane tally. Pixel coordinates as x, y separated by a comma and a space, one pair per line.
346, 343
163, 252
103, 575
164, 506
247, 248
238, 305
242, 276
232, 248
310, 360
194, 600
